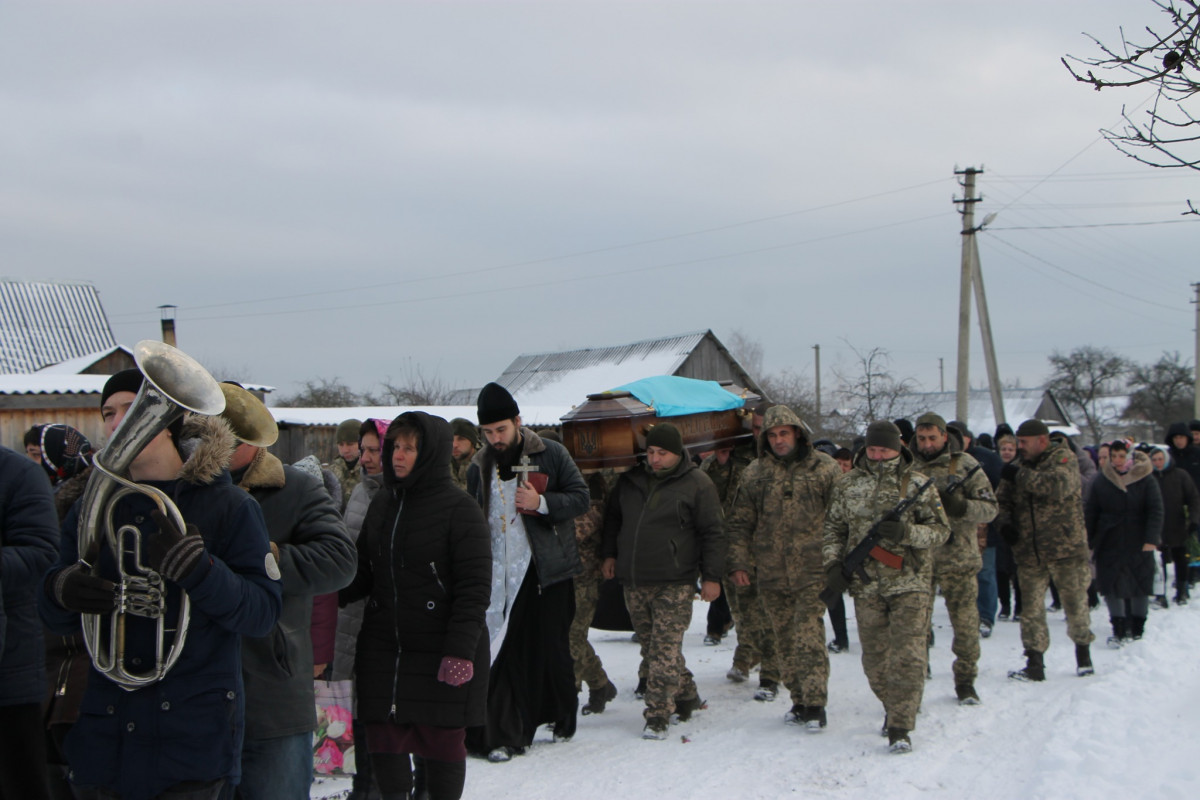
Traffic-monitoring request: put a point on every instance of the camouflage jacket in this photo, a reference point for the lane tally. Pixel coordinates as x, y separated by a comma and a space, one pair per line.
860, 499
458, 470
961, 552
779, 513
1043, 503
727, 476
588, 535
348, 476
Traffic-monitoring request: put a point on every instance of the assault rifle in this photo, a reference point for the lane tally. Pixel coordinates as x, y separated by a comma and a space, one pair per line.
957, 483
855, 561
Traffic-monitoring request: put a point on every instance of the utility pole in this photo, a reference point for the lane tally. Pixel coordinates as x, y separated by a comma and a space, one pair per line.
817, 351
1196, 363
942, 374
966, 276
985, 331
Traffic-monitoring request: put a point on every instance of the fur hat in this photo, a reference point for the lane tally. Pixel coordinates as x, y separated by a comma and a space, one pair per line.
495, 403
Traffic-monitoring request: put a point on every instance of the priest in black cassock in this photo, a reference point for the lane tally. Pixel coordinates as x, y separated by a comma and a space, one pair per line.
531, 492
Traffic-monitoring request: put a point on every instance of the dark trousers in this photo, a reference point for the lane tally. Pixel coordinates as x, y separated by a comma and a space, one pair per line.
393, 772
1179, 556
192, 790
837, 620
1003, 581
22, 753
720, 620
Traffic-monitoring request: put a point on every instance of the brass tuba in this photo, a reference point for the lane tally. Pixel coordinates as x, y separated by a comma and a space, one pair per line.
173, 384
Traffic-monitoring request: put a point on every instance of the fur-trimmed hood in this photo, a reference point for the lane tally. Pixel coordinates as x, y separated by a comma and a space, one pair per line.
206, 444
264, 472
1140, 469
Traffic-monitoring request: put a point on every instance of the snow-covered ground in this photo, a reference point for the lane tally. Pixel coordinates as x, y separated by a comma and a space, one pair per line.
1127, 731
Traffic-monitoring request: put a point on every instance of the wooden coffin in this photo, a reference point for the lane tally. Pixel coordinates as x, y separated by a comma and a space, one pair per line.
609, 430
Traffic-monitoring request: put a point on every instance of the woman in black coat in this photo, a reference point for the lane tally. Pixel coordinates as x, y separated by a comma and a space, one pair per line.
425, 565
1181, 517
1124, 516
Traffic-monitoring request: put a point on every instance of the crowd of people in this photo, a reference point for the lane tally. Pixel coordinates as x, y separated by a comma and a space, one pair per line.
451, 570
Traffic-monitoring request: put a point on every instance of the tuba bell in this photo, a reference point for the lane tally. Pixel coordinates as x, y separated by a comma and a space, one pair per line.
173, 384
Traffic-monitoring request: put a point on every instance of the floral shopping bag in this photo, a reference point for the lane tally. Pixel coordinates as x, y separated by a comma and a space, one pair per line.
333, 740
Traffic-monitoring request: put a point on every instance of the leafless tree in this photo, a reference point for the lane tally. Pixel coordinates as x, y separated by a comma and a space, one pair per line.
415, 388
1163, 392
1164, 58
795, 391
323, 393
1083, 379
748, 352
869, 391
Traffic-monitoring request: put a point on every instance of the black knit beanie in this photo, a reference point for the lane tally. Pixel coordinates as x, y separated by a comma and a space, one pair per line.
666, 436
495, 404
882, 433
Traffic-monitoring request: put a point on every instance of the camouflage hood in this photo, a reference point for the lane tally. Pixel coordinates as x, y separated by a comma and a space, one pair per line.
782, 415
953, 445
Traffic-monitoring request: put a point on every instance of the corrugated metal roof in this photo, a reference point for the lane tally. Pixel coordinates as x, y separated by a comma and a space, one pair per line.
542, 378
53, 383
48, 323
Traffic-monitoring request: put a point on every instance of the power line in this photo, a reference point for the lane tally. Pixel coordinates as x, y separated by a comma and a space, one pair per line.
1095, 225
549, 259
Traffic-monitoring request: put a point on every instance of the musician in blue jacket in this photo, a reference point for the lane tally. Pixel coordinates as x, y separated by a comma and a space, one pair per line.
180, 737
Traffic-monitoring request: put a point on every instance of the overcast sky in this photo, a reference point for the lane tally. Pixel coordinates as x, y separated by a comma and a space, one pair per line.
358, 190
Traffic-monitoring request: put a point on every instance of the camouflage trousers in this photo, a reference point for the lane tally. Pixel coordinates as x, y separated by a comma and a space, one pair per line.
961, 591
754, 645
661, 615
892, 631
1071, 576
587, 664
797, 634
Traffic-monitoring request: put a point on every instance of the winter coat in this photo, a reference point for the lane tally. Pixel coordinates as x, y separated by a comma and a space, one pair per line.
665, 530
726, 477
1187, 459
1125, 512
349, 618
860, 499
28, 543
425, 567
1042, 502
1181, 504
960, 553
67, 659
778, 519
348, 476
552, 535
189, 725
315, 557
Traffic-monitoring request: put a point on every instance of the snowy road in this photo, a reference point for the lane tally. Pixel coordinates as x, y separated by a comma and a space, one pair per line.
1127, 731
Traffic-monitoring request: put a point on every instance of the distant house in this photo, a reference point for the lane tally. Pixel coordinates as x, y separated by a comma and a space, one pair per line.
564, 379
1019, 405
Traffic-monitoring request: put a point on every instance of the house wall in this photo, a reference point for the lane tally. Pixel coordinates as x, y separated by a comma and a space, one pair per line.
83, 415
708, 362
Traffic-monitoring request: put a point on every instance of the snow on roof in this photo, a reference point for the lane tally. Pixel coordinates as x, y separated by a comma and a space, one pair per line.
530, 415
74, 366
42, 382
47, 323
565, 379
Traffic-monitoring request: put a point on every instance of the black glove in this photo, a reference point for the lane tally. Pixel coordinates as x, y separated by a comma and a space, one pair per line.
835, 581
1009, 473
954, 503
75, 588
892, 529
1009, 533
173, 552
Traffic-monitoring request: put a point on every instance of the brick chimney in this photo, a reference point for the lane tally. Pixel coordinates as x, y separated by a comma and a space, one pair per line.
168, 324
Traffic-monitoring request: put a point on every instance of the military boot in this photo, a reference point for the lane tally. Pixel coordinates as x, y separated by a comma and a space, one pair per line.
1083, 660
814, 719
686, 706
1035, 669
767, 690
967, 695
656, 728
598, 699
898, 741
640, 690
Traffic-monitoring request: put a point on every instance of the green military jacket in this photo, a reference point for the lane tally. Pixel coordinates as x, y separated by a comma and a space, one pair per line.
960, 553
348, 476
1043, 503
860, 499
727, 476
458, 470
778, 515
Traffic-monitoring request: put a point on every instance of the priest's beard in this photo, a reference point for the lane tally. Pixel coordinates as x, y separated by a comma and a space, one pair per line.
507, 458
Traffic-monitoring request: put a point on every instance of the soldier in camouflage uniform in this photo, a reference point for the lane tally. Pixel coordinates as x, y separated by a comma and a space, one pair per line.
1041, 519
662, 527
776, 531
753, 645
588, 666
958, 561
465, 443
893, 608
346, 466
